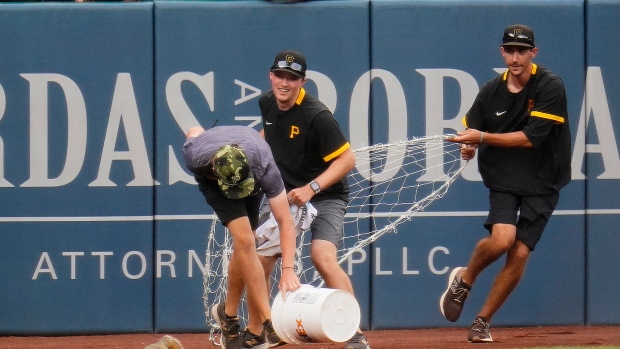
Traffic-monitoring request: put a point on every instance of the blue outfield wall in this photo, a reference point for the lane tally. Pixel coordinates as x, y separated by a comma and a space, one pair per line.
602, 108
103, 231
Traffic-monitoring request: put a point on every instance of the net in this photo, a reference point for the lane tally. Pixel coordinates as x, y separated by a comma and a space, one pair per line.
390, 184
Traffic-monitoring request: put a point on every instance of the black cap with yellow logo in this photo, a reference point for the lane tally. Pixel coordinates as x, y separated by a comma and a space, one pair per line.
290, 61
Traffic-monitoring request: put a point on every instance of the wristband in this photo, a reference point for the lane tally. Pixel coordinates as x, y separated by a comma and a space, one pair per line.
481, 137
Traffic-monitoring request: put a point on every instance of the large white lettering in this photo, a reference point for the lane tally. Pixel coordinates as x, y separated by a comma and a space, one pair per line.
406, 270
436, 122
359, 116
431, 259
596, 108
193, 256
3, 182
44, 260
102, 256
124, 110
352, 261
326, 90
72, 256
596, 119
76, 130
125, 263
168, 263
378, 270
184, 116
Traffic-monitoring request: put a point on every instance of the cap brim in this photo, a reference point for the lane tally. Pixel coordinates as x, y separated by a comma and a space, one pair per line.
239, 191
522, 44
289, 70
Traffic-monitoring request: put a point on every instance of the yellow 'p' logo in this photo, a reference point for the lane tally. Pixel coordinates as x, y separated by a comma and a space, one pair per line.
294, 131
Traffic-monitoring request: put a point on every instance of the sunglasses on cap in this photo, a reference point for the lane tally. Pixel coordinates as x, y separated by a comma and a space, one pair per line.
294, 66
512, 37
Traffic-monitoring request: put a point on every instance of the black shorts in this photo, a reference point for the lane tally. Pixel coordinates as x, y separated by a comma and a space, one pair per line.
529, 214
227, 209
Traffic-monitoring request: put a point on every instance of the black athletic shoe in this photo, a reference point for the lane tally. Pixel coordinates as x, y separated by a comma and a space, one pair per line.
273, 340
358, 341
479, 332
452, 301
250, 340
231, 337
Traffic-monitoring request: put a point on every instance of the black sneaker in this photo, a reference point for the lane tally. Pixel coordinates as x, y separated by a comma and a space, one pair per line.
229, 325
479, 332
452, 301
358, 341
273, 340
251, 340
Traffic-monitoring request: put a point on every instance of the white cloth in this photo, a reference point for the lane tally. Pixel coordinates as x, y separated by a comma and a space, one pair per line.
268, 234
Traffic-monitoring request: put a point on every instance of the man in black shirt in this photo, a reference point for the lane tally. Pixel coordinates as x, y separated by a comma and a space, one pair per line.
519, 125
314, 158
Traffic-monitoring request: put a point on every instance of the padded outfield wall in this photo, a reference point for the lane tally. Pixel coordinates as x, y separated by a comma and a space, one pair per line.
103, 231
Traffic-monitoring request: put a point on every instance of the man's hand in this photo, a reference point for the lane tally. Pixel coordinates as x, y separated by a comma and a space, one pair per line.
468, 151
288, 281
470, 136
300, 196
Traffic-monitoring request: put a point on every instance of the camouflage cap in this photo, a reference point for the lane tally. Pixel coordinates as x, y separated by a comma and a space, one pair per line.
233, 171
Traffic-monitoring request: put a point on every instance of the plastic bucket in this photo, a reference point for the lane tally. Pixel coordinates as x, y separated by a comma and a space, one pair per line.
315, 315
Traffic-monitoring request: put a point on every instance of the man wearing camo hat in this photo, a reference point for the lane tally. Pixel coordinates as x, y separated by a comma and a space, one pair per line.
233, 165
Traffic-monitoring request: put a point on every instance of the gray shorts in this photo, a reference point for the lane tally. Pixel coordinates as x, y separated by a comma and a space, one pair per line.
328, 223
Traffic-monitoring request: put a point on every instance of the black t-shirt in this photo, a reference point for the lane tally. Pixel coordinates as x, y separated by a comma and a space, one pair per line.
304, 140
540, 111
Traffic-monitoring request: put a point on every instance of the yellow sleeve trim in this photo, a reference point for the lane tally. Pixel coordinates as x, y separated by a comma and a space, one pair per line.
337, 152
557, 119
464, 121
302, 94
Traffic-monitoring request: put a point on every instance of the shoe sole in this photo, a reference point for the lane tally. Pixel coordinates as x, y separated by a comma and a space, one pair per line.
273, 345
481, 340
215, 315
260, 346
443, 296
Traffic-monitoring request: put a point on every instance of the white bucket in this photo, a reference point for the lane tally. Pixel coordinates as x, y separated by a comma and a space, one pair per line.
315, 315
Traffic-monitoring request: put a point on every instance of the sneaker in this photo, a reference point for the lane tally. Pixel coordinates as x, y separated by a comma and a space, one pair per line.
273, 340
358, 341
479, 332
231, 338
251, 340
452, 301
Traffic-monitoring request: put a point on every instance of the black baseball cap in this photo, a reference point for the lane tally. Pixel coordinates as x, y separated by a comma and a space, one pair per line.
518, 35
290, 61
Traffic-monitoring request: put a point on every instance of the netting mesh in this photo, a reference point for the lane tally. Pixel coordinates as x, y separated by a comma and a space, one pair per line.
391, 182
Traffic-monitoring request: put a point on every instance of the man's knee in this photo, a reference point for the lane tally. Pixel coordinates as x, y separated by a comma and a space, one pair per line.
504, 236
520, 251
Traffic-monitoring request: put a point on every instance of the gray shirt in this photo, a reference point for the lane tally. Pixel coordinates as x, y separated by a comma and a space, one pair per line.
199, 150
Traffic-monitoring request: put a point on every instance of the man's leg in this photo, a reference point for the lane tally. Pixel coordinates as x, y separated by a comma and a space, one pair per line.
324, 259
235, 286
327, 231
488, 250
268, 262
247, 264
506, 280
